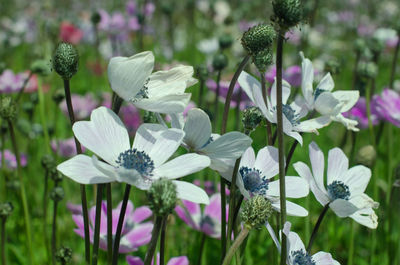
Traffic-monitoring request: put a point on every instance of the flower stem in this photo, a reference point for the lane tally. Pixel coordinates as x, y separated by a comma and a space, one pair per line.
22, 190
238, 101
21, 92
43, 117
153, 242
201, 248
368, 105
232, 200
236, 244
389, 129
3, 241
54, 233
394, 62
82, 187
223, 219
120, 224
109, 223
162, 240
351, 247
316, 227
216, 100
96, 238
201, 92
45, 204
281, 145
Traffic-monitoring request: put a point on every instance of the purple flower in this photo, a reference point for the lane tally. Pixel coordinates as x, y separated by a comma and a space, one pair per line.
83, 105
359, 113
135, 232
149, 9
11, 83
112, 23
131, 8
223, 91
131, 118
208, 221
292, 75
388, 106
181, 260
65, 148
209, 186
10, 160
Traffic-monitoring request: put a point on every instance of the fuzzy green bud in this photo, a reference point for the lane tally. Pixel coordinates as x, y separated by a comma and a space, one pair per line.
367, 70
65, 60
262, 60
48, 162
64, 255
201, 72
376, 46
8, 110
6, 209
55, 175
57, 194
258, 38
366, 155
95, 18
220, 61
41, 67
256, 211
58, 96
225, 41
162, 197
287, 13
252, 117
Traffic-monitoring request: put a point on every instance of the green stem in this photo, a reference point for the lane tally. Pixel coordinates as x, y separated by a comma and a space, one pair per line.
236, 244
394, 62
153, 242
223, 219
109, 223
351, 247
316, 227
281, 146
389, 129
22, 190
232, 200
43, 117
370, 125
45, 203
54, 233
201, 248
201, 93
216, 100
162, 240
3, 241
23, 87
96, 237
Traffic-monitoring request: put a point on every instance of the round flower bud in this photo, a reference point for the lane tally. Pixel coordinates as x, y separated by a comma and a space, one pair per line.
252, 117
366, 155
287, 13
225, 41
220, 61
95, 18
6, 209
57, 194
55, 175
162, 197
64, 255
256, 211
258, 38
202, 72
367, 70
376, 46
8, 110
58, 96
41, 67
65, 60
48, 162
263, 59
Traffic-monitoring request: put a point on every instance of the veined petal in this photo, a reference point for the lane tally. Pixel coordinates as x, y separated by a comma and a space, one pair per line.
318, 164
248, 83
292, 209
349, 98
248, 158
104, 134
167, 142
363, 201
146, 136
338, 164
229, 146
326, 84
173, 103
343, 208
127, 75
190, 192
182, 166
197, 128
81, 169
357, 178
307, 79
295, 187
366, 217
327, 104
267, 161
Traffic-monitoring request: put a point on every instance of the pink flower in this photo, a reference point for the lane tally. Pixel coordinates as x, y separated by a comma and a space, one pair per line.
181, 260
223, 91
12, 83
10, 159
292, 74
69, 33
388, 106
64, 148
359, 113
83, 105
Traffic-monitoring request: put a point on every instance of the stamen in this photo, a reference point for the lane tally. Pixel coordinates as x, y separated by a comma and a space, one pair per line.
138, 160
302, 258
143, 92
253, 181
338, 190
290, 114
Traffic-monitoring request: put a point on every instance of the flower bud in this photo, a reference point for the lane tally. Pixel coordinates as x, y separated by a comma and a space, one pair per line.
258, 38
256, 211
220, 61
252, 117
55, 175
64, 255
287, 13
225, 41
367, 70
366, 155
65, 60
58, 96
201, 72
263, 59
57, 194
48, 162
6, 209
95, 18
41, 67
162, 197
8, 110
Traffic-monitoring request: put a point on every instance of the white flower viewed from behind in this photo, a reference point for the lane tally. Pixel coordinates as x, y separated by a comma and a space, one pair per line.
255, 178
292, 113
163, 91
323, 100
345, 188
139, 165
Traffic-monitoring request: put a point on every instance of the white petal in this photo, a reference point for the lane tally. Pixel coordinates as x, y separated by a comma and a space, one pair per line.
128, 75
326, 83
167, 104
327, 104
146, 135
190, 192
295, 187
338, 164
349, 98
366, 217
177, 120
81, 169
357, 178
248, 158
285, 92
307, 79
295, 242
229, 146
318, 164
349, 123
292, 209
197, 128
105, 134
248, 83
182, 165
323, 258
267, 161
343, 208
167, 142
363, 201
313, 124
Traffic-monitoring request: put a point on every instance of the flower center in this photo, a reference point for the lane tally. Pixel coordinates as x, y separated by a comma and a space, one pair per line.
338, 190
210, 140
317, 92
253, 181
290, 114
143, 92
138, 160
302, 258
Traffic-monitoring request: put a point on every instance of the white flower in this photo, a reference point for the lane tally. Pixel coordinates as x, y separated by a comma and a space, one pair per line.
199, 138
139, 165
292, 114
162, 91
255, 178
345, 187
323, 100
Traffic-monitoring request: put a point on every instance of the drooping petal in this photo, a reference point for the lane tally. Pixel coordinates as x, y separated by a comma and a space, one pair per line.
182, 166
338, 164
267, 161
248, 83
348, 98
307, 79
295, 187
366, 217
190, 192
166, 144
167, 104
312, 125
357, 178
343, 208
104, 134
182, 260
197, 128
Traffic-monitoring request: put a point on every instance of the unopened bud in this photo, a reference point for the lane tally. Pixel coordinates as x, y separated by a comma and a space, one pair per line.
95, 18
162, 197
220, 61
48, 162
57, 194
58, 96
366, 155
64, 255
65, 60
202, 72
263, 59
287, 13
6, 209
8, 110
332, 66
225, 41
256, 211
367, 70
41, 67
258, 38
252, 117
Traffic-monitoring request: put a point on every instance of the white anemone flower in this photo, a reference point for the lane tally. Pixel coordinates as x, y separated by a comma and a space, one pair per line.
323, 100
345, 186
292, 113
163, 91
140, 164
255, 176
200, 139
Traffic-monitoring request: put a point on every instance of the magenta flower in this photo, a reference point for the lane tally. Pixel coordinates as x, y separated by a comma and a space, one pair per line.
135, 232
83, 105
12, 83
10, 160
181, 260
112, 23
223, 91
388, 106
208, 221
359, 113
64, 148
292, 75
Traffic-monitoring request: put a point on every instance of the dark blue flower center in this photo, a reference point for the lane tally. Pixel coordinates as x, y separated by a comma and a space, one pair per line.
143, 92
302, 258
210, 140
290, 114
338, 190
317, 92
138, 160
253, 180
